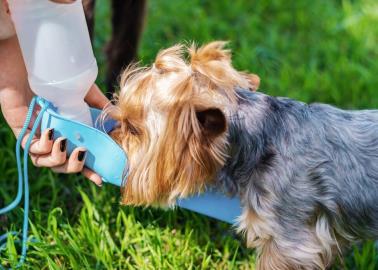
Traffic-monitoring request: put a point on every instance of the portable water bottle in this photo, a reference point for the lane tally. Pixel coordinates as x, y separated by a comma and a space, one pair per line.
58, 55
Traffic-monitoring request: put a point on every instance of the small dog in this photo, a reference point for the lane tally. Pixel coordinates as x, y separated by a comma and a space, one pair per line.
307, 175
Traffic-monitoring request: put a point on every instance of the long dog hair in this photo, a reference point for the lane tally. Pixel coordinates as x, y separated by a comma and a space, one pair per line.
307, 175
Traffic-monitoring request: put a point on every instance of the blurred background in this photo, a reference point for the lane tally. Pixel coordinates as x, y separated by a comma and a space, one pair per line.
313, 51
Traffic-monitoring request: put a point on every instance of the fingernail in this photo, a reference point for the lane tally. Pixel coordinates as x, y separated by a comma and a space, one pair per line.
51, 134
81, 155
63, 145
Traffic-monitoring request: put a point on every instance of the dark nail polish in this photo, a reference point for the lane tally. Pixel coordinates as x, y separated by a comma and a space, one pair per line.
63, 145
51, 134
81, 155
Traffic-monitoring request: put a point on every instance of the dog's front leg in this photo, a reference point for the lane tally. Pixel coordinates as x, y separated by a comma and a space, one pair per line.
284, 246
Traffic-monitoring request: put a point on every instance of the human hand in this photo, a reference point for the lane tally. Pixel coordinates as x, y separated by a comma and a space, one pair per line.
15, 96
44, 152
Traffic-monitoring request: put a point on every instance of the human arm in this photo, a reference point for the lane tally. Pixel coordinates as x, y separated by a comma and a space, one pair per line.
15, 96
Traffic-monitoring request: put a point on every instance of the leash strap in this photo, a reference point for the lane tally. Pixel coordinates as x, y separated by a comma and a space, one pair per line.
23, 180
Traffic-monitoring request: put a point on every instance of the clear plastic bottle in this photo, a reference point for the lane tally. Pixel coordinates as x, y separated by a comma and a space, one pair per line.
57, 51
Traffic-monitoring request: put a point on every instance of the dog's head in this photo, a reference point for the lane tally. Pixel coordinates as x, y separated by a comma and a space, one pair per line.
173, 123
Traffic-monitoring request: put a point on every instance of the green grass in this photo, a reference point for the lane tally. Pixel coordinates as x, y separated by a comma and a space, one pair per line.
324, 51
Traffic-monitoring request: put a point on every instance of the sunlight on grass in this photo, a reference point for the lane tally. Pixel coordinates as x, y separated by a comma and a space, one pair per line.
322, 51
361, 20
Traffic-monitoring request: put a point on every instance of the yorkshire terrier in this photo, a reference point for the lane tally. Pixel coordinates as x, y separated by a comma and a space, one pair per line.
306, 174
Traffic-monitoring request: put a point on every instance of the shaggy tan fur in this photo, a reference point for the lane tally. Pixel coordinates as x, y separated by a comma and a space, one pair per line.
173, 127
172, 121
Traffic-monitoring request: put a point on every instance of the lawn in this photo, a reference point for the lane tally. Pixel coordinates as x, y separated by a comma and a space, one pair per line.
314, 51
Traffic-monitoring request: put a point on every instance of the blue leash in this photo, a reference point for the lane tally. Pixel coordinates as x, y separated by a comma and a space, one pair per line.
23, 179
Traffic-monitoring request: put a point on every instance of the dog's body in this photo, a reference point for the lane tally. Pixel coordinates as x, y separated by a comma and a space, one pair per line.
307, 175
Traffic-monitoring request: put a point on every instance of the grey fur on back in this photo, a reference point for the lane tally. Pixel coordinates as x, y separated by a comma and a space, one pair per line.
295, 163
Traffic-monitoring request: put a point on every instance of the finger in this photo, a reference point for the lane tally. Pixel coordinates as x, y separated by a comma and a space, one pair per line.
43, 145
95, 98
56, 158
92, 176
75, 163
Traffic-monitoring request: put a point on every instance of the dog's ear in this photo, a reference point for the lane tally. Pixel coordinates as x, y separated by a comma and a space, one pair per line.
207, 54
212, 122
253, 79
170, 60
213, 63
